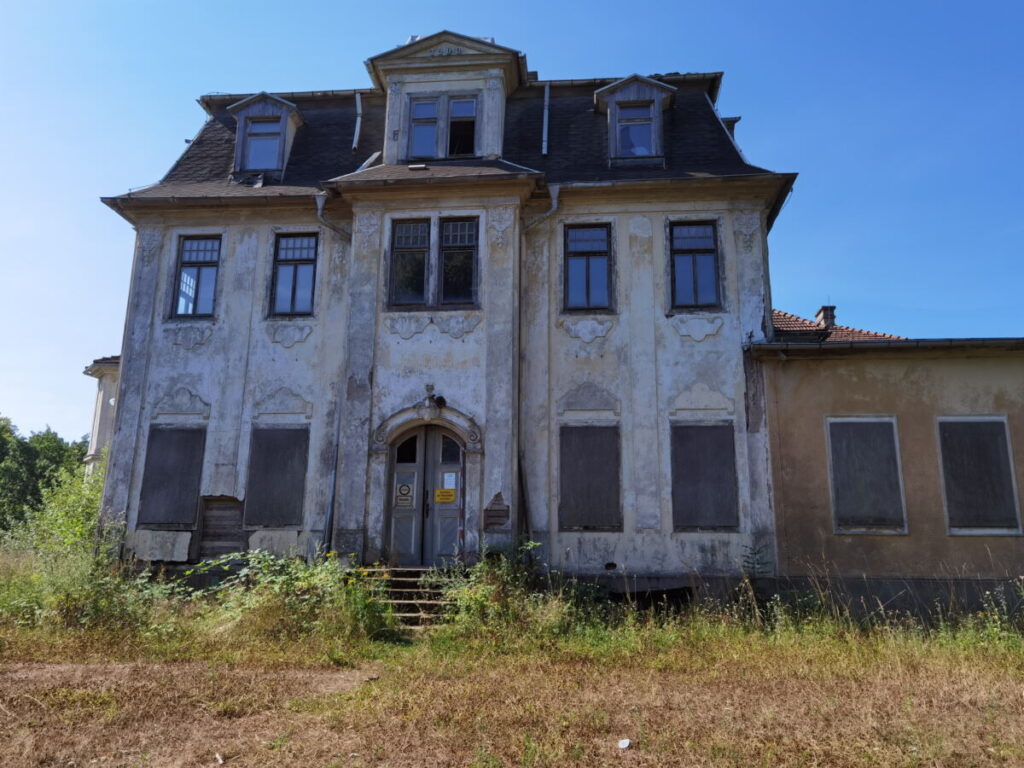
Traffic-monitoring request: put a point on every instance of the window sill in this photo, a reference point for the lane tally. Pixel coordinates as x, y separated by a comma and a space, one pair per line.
290, 316
703, 309
871, 532
590, 530
732, 529
576, 311
985, 532
189, 318
418, 308
644, 161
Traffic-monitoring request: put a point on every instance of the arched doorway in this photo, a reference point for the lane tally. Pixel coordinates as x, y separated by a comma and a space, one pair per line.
426, 502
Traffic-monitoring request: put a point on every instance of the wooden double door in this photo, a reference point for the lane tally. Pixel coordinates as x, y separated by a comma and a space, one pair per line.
427, 498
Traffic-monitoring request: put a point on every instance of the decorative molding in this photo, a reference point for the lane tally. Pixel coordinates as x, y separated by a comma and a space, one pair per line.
701, 397
499, 220
288, 335
587, 330
745, 228
588, 396
191, 336
149, 243
406, 326
493, 83
697, 328
284, 401
182, 401
430, 410
456, 325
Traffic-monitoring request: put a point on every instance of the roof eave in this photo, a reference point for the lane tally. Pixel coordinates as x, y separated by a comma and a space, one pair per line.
815, 349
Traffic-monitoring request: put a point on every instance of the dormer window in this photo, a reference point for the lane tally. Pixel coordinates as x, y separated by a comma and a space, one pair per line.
444, 126
636, 125
262, 144
635, 130
266, 128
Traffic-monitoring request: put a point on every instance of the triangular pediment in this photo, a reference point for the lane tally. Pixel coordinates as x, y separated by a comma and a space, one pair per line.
444, 50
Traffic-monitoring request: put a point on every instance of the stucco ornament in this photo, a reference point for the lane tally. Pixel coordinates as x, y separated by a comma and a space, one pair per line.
587, 330
456, 326
588, 396
429, 410
290, 335
499, 220
700, 397
697, 328
284, 401
191, 336
406, 326
745, 227
182, 401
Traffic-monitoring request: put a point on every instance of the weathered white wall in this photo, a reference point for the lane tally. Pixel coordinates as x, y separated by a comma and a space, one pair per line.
644, 367
104, 409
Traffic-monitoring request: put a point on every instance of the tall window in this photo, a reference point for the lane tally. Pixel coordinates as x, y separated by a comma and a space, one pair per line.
588, 267
865, 472
589, 460
635, 130
197, 276
424, 277
461, 127
704, 495
423, 136
294, 274
262, 144
694, 265
978, 474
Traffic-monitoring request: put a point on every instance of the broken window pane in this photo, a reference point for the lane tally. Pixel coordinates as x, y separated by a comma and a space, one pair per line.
704, 495
589, 479
276, 484
978, 474
865, 474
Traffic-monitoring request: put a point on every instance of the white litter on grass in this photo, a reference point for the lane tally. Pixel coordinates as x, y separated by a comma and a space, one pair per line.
624, 743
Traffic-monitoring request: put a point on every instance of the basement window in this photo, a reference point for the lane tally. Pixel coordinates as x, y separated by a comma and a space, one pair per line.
864, 468
978, 475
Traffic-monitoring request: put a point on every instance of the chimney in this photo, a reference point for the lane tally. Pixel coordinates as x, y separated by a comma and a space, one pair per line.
826, 317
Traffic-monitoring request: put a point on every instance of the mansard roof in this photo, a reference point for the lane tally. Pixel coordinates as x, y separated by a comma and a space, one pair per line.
697, 143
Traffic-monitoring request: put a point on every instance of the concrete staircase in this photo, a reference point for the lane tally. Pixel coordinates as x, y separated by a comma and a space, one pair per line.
414, 605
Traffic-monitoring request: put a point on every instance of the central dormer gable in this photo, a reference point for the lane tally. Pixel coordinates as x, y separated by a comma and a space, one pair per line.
265, 127
446, 96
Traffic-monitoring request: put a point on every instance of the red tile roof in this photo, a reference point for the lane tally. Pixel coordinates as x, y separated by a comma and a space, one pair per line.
787, 324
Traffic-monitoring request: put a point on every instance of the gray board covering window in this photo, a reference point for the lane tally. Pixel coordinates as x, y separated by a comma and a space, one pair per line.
588, 273
865, 474
978, 474
198, 259
704, 494
294, 274
424, 278
589, 479
276, 487
170, 479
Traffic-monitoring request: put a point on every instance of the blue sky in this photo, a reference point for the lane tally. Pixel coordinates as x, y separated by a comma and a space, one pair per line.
902, 118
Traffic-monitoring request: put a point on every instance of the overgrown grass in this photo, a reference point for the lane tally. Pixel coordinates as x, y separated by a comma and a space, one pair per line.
528, 669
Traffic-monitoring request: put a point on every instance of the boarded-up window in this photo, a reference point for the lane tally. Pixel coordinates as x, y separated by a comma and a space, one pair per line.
170, 481
277, 477
865, 471
589, 459
704, 493
978, 474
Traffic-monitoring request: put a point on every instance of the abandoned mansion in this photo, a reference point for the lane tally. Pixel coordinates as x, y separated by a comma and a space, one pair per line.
462, 306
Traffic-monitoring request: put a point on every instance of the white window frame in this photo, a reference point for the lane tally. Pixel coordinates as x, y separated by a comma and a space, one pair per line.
950, 530
443, 121
839, 530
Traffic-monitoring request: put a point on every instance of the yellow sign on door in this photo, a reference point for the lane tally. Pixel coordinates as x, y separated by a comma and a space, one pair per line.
444, 495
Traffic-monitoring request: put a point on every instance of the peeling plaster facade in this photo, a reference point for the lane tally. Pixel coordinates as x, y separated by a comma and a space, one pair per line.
503, 374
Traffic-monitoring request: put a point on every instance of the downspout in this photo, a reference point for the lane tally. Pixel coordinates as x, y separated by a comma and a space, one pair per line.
547, 103
321, 199
359, 121
553, 189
